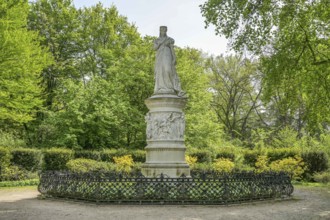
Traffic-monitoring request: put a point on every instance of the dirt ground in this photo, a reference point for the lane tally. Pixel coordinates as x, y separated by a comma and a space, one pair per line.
23, 204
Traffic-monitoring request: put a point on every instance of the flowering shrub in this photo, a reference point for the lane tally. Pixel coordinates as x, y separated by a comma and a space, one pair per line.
124, 163
294, 166
191, 160
223, 165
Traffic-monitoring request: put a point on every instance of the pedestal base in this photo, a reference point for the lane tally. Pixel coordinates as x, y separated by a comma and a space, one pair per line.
165, 137
170, 169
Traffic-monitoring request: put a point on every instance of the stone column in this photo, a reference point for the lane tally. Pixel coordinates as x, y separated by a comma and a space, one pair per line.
165, 136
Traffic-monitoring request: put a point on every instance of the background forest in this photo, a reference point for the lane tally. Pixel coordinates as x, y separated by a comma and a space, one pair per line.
74, 81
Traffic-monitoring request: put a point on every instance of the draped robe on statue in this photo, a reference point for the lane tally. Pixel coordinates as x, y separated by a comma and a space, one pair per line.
166, 78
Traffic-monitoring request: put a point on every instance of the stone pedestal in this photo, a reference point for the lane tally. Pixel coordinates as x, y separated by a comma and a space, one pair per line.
165, 137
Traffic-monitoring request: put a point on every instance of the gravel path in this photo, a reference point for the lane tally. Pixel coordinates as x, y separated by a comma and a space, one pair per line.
23, 204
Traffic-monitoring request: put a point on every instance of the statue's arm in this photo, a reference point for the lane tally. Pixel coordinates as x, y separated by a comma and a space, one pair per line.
156, 44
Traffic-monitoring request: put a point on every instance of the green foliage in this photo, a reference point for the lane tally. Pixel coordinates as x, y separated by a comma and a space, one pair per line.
5, 157
87, 165
292, 41
202, 155
21, 62
11, 139
13, 173
294, 166
322, 177
108, 154
234, 85
202, 129
251, 156
56, 158
316, 161
138, 156
228, 153
88, 154
261, 164
31, 182
281, 153
26, 158
223, 165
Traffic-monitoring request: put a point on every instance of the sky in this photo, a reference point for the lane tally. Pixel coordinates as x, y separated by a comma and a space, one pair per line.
183, 19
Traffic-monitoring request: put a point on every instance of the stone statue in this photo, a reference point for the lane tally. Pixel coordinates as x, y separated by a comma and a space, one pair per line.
166, 77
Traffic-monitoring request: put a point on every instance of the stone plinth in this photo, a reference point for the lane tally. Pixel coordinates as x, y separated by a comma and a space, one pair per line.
165, 137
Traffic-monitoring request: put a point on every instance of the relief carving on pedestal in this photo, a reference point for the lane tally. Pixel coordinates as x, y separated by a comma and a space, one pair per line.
165, 126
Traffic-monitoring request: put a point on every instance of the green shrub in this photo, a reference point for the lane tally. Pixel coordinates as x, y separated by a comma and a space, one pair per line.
108, 154
202, 167
262, 164
138, 156
32, 182
281, 153
56, 158
88, 154
86, 165
27, 158
251, 157
316, 161
223, 165
294, 166
226, 153
202, 155
322, 177
13, 173
5, 157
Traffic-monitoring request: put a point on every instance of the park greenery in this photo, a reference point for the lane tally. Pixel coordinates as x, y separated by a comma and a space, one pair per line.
73, 83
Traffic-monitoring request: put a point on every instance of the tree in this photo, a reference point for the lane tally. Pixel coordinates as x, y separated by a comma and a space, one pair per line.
202, 129
235, 85
292, 40
21, 61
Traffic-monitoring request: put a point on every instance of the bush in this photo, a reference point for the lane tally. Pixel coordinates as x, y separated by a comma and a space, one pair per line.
316, 161
251, 157
109, 154
124, 163
13, 173
223, 165
88, 154
281, 153
203, 156
191, 161
138, 156
294, 166
87, 165
323, 177
201, 167
5, 157
29, 159
56, 158
226, 153
262, 164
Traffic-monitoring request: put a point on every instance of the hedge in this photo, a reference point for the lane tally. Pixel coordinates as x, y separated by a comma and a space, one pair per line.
225, 153
203, 156
56, 158
251, 157
107, 155
316, 161
281, 153
88, 154
138, 156
26, 158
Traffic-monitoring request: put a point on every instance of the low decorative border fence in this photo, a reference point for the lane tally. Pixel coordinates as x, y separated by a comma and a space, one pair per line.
200, 188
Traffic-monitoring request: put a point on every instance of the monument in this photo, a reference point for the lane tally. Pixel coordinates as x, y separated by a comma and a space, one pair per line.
165, 119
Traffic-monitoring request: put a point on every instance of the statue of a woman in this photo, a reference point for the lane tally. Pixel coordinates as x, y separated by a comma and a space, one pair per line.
166, 77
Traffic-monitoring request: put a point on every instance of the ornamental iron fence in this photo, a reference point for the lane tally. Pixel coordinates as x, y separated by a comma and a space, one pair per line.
199, 188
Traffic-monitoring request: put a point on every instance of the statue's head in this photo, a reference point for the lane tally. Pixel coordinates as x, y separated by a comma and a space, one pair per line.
162, 31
